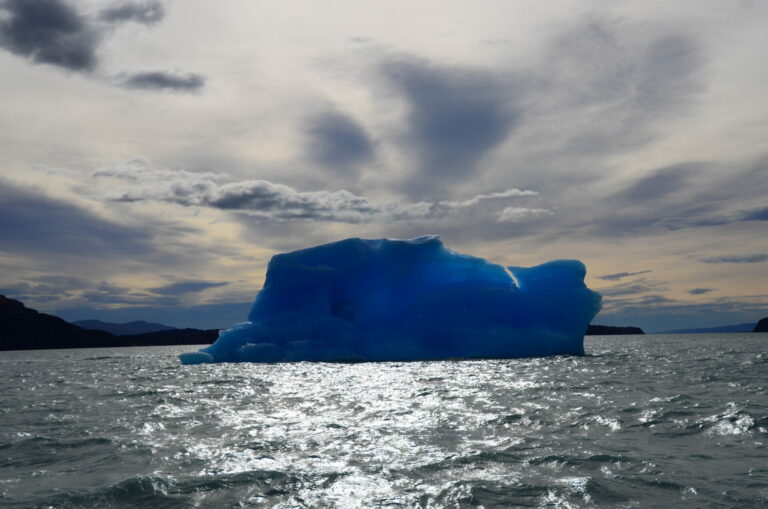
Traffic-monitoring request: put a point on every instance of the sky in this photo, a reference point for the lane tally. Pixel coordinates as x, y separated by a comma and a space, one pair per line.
155, 154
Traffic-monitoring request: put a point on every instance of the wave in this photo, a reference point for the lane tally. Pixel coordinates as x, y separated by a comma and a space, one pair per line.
168, 492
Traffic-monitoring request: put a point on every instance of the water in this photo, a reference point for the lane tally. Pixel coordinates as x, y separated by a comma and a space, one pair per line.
644, 421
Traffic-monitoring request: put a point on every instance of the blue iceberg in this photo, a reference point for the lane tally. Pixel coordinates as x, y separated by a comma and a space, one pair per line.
395, 300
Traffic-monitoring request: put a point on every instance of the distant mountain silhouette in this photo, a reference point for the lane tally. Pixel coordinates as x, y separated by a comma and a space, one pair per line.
123, 329
607, 330
740, 327
762, 325
172, 337
22, 328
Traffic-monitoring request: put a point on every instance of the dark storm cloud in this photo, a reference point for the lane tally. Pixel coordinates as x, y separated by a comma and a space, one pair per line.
760, 214
161, 80
184, 287
54, 32
621, 275
147, 12
49, 32
336, 141
455, 115
753, 258
700, 291
34, 222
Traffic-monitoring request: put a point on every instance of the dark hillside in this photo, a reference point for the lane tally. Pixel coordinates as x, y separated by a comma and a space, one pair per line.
607, 330
22, 328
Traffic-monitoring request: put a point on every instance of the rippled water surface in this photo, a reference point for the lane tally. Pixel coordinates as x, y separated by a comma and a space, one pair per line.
653, 421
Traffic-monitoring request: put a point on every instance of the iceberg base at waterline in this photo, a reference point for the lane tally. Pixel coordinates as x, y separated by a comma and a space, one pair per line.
397, 300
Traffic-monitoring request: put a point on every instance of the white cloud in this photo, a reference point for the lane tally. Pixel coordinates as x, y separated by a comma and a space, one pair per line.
517, 214
476, 199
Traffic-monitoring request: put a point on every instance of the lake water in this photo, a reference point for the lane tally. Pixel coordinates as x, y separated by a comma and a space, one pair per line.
642, 421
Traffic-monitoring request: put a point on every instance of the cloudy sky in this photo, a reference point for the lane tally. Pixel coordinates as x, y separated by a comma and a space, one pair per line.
155, 154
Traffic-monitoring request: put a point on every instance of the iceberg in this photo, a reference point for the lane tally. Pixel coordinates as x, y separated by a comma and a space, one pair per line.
397, 300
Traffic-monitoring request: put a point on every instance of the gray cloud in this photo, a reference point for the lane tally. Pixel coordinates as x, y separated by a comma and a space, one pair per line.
66, 290
632, 288
108, 293
654, 314
687, 195
599, 87
674, 60
54, 32
184, 287
621, 275
147, 12
517, 214
161, 80
270, 200
659, 184
753, 258
44, 288
455, 116
471, 202
138, 171
48, 32
700, 291
653, 299
760, 214
337, 142
34, 222
608, 86
52, 289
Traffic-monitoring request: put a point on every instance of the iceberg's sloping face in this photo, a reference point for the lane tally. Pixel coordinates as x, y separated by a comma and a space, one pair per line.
385, 299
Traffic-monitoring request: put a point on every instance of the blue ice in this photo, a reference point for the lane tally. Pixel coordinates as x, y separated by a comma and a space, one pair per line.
395, 300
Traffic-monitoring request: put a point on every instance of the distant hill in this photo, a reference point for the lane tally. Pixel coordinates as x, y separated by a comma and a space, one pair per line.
741, 327
762, 325
123, 329
607, 330
22, 328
